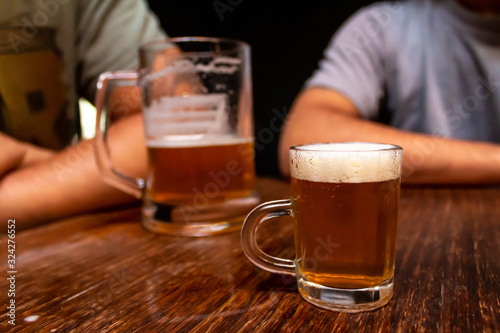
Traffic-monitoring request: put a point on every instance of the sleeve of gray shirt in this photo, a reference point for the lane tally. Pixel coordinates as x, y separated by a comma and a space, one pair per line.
353, 62
109, 35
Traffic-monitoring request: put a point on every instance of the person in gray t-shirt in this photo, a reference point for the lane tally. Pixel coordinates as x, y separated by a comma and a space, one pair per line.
430, 69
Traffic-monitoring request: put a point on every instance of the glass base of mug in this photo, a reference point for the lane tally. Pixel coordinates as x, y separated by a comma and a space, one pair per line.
192, 221
346, 300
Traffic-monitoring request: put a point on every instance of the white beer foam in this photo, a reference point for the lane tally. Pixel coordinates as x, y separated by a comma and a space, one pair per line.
350, 162
193, 141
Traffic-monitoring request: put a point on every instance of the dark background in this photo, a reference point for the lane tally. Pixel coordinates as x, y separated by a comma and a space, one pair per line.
287, 40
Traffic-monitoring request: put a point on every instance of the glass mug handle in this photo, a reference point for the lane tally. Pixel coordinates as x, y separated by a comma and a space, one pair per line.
249, 244
109, 174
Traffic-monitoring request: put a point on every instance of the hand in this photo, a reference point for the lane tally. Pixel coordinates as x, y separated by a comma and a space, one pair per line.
12, 154
16, 154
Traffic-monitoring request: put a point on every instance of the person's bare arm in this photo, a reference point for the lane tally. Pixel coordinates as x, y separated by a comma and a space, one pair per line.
322, 115
69, 182
40, 185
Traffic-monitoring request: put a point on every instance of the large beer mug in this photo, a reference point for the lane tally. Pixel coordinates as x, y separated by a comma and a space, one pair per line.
198, 125
345, 199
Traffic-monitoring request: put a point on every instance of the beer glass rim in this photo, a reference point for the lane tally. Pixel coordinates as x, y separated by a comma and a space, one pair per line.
377, 147
161, 44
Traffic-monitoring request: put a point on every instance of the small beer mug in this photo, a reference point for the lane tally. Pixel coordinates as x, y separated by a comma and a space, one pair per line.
345, 200
198, 124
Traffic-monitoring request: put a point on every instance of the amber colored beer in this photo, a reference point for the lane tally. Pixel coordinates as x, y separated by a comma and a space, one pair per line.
345, 208
345, 232
183, 172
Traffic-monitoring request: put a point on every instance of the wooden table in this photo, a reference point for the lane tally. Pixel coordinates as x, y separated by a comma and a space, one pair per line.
104, 273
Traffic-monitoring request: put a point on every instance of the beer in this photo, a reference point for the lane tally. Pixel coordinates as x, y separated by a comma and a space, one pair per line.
184, 172
198, 125
345, 214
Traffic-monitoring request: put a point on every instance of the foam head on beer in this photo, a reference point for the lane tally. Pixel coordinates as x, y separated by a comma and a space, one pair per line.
351, 162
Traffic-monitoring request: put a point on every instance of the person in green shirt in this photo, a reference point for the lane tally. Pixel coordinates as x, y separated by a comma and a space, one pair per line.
51, 54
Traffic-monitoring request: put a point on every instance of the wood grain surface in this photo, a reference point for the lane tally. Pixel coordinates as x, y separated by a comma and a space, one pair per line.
104, 273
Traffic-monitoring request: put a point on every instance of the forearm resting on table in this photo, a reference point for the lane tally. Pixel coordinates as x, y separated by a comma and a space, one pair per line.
426, 159
69, 182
